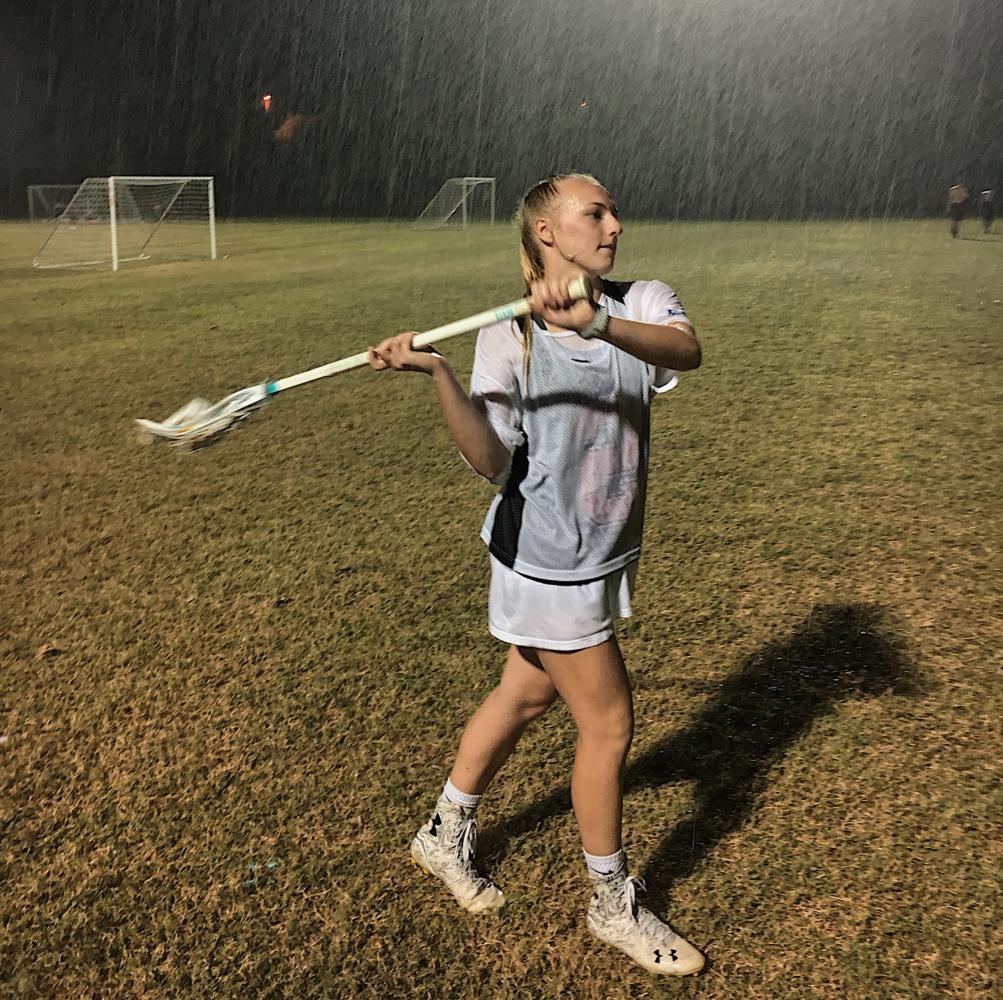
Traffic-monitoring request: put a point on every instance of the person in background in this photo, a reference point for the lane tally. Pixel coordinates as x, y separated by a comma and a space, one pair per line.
987, 209
957, 196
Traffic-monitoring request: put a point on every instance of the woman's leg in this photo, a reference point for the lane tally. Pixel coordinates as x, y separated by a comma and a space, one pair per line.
445, 846
523, 694
593, 682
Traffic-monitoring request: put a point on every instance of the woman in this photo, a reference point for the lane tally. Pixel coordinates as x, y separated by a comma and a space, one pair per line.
558, 418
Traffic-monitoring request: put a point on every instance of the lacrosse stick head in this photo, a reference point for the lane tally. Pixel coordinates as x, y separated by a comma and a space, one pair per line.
200, 422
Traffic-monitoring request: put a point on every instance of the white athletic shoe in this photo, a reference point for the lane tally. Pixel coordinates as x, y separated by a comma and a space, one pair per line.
445, 846
616, 918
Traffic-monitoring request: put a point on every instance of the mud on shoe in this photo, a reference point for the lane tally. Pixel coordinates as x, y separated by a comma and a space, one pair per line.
616, 917
445, 847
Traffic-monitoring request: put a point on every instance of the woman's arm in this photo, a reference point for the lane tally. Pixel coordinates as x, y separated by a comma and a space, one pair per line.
672, 346
658, 331
469, 428
474, 436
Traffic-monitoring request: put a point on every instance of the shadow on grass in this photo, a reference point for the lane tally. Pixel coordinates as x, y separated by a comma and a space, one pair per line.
837, 653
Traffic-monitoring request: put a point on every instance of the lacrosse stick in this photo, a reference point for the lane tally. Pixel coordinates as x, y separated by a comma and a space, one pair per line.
200, 421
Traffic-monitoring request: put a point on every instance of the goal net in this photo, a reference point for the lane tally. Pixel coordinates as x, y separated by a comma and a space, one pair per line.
460, 201
110, 220
49, 201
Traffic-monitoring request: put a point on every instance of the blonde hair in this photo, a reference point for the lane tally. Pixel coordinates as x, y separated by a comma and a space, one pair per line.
535, 203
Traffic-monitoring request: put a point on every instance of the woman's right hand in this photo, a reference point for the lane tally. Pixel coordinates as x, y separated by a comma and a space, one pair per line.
399, 353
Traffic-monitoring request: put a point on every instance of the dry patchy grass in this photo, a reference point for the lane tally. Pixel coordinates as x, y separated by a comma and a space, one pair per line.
262, 653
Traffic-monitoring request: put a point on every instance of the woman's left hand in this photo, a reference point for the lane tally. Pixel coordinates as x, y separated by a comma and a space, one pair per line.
549, 299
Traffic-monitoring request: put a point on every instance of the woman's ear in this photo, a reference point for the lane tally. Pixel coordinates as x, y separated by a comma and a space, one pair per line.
543, 232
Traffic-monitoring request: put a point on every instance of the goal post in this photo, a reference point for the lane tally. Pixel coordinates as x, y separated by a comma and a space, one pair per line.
49, 201
461, 201
111, 220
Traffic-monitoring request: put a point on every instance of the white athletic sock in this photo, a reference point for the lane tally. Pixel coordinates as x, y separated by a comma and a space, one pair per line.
458, 798
605, 864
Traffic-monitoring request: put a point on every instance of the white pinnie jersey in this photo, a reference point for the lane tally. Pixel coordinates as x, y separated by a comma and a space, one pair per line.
571, 506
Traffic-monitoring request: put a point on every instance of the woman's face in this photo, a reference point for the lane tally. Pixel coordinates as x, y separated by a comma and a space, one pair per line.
583, 226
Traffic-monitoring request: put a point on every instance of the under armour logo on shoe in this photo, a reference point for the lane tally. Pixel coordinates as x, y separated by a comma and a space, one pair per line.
436, 823
673, 954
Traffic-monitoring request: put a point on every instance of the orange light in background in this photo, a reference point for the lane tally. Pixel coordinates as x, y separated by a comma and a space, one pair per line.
266, 102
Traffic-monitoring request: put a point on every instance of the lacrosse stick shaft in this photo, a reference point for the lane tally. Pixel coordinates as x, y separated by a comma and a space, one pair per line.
579, 289
199, 421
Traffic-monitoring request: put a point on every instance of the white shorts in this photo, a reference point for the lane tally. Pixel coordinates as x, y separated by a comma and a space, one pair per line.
562, 616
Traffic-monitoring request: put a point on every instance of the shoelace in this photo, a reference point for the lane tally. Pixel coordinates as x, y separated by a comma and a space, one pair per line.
466, 839
646, 920
469, 842
630, 890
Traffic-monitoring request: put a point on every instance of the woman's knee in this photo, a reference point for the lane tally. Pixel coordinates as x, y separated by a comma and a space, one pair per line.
525, 688
526, 702
531, 705
612, 729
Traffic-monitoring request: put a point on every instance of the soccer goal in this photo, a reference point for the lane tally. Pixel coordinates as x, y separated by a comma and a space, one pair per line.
461, 200
110, 220
49, 201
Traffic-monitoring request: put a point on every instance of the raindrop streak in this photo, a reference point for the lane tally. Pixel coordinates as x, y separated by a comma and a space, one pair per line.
734, 109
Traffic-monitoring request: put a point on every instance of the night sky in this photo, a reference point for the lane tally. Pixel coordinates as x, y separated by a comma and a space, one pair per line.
695, 108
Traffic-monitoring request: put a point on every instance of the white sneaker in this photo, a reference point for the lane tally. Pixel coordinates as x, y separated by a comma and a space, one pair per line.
616, 918
444, 847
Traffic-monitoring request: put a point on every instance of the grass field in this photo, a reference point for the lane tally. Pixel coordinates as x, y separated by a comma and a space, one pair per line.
262, 654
